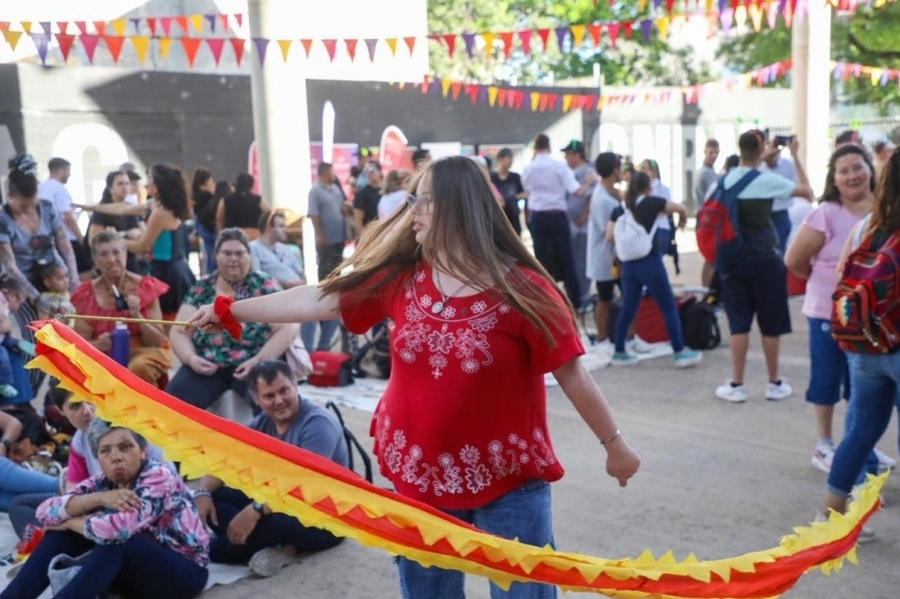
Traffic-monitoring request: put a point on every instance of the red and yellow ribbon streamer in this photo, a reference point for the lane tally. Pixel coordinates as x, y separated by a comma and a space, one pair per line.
320, 493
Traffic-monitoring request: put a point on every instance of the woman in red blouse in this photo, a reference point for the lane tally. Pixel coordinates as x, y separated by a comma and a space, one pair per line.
117, 292
462, 424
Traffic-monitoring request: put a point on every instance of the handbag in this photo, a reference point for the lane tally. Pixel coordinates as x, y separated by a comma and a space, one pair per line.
330, 369
297, 358
63, 568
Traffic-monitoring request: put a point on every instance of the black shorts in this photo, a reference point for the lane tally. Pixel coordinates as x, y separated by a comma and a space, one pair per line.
757, 284
82, 256
606, 290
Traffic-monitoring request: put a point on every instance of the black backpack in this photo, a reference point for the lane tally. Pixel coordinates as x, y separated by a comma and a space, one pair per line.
353, 443
699, 324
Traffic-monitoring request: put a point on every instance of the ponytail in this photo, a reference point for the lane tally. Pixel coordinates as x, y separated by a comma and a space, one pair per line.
640, 185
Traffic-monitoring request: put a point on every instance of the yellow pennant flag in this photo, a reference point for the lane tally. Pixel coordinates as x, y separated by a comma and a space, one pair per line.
756, 15
445, 87
709, 5
642, 4
285, 46
662, 25
577, 35
880, 3
392, 44
535, 98
746, 80
601, 102
875, 76
12, 38
567, 102
140, 43
118, 26
164, 43
26, 25
740, 15
492, 95
488, 43
196, 22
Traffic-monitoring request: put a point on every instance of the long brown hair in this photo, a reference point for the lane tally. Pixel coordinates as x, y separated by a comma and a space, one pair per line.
831, 193
886, 213
466, 218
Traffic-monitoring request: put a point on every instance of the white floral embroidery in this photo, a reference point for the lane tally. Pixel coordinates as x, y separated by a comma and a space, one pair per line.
420, 276
479, 307
503, 308
412, 313
440, 342
484, 324
425, 301
448, 312
477, 478
469, 455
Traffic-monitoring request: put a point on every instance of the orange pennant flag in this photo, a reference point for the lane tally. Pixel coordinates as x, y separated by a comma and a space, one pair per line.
307, 45
140, 43
12, 38
577, 35
182, 22
488, 43
164, 44
392, 44
196, 22
99, 27
351, 48
285, 46
507, 37
455, 88
190, 45
114, 45
410, 43
118, 26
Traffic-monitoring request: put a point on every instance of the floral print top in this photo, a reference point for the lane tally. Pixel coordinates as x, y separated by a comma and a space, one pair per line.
220, 347
167, 513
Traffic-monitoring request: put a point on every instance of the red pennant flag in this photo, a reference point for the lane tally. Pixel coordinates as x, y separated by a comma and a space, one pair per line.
331, 48
544, 34
166, 24
215, 46
507, 37
63, 25
183, 23
239, 18
426, 81
351, 48
114, 45
223, 18
190, 45
100, 27
472, 91
627, 26
595, 30
237, 44
151, 24
65, 44
410, 43
450, 40
520, 97
89, 41
669, 5
82, 27
307, 45
613, 30
542, 102
525, 40
455, 87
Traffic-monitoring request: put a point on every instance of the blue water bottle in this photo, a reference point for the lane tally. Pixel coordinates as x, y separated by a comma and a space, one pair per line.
121, 342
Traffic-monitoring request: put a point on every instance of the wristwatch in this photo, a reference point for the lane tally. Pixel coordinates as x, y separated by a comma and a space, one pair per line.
258, 508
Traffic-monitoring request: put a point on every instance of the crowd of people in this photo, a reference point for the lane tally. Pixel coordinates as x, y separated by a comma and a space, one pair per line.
440, 253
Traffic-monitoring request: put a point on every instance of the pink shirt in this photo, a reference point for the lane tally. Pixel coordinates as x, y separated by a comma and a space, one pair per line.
836, 222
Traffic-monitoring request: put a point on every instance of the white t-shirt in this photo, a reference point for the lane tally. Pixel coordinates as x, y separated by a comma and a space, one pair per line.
56, 192
600, 252
546, 181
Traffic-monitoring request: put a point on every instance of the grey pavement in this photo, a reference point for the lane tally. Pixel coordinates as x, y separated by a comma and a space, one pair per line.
717, 479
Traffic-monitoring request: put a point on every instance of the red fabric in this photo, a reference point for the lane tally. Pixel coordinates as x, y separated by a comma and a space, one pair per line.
222, 308
463, 419
85, 302
649, 323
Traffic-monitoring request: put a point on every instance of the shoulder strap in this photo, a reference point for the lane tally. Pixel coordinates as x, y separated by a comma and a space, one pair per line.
742, 183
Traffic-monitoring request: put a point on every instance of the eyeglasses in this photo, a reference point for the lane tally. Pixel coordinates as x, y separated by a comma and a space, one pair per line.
424, 201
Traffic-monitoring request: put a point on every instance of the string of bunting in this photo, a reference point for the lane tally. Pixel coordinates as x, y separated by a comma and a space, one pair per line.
215, 30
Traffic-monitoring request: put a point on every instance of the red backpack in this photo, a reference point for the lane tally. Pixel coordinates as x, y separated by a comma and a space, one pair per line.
865, 309
718, 230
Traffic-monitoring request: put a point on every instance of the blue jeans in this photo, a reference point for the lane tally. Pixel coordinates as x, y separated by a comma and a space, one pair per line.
140, 567
523, 513
271, 530
647, 272
782, 222
22, 510
209, 243
552, 242
874, 393
16, 480
326, 337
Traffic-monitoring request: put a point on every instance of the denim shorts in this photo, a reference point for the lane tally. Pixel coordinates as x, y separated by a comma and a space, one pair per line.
828, 370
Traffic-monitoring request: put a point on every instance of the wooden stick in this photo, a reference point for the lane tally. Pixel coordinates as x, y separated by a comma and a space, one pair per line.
165, 323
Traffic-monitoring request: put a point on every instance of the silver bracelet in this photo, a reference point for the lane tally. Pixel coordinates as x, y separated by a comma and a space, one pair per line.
614, 436
202, 493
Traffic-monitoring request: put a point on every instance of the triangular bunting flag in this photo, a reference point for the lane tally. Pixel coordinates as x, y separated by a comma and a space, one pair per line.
118, 26
507, 38
535, 99
166, 24
371, 44
331, 48
594, 30
669, 5
41, 40
544, 99
469, 39
646, 28
488, 43
151, 25
239, 19
285, 47
182, 21
520, 98
46, 26
12, 38
63, 26
164, 43
425, 84
502, 96
351, 48
472, 92
577, 35
410, 43
114, 45
492, 95
136, 23
756, 16
191, 45
82, 27
566, 102
216, 44
392, 44
544, 34
211, 19
445, 87
525, 40
260, 44
450, 41
196, 22
26, 26
740, 16
237, 45
626, 29
140, 43
99, 27
455, 88
64, 40
772, 13
561, 33
89, 42
662, 26
613, 30
307, 45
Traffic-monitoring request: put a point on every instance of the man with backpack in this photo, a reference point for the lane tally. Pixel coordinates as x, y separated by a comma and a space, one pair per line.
735, 231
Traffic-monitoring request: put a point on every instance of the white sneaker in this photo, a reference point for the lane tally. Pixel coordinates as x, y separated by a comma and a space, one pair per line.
267, 562
638, 346
822, 458
776, 392
605, 347
729, 392
884, 461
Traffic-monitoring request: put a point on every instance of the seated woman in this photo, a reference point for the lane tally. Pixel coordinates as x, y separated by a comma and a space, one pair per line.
214, 362
117, 292
16, 480
138, 521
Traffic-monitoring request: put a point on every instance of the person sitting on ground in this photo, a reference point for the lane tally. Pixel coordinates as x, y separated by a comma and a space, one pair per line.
18, 349
119, 293
136, 521
271, 254
16, 480
55, 296
248, 530
214, 362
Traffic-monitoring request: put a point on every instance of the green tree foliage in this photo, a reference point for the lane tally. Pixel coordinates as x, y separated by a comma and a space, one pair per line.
631, 62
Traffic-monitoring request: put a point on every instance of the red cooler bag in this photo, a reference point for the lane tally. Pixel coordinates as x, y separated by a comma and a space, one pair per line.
330, 369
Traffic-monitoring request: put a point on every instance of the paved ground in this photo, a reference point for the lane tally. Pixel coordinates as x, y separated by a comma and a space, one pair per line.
717, 479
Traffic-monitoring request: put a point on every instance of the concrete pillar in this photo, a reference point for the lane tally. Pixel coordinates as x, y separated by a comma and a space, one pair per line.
811, 84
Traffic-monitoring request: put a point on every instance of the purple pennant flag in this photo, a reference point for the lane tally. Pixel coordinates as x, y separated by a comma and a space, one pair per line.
868, 4
646, 28
41, 41
724, 3
838, 69
884, 78
260, 44
782, 4
211, 19
561, 37
137, 24
482, 94
725, 19
656, 4
371, 44
45, 25
469, 38
435, 85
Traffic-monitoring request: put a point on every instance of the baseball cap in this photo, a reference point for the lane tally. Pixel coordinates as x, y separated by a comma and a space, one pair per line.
574, 146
